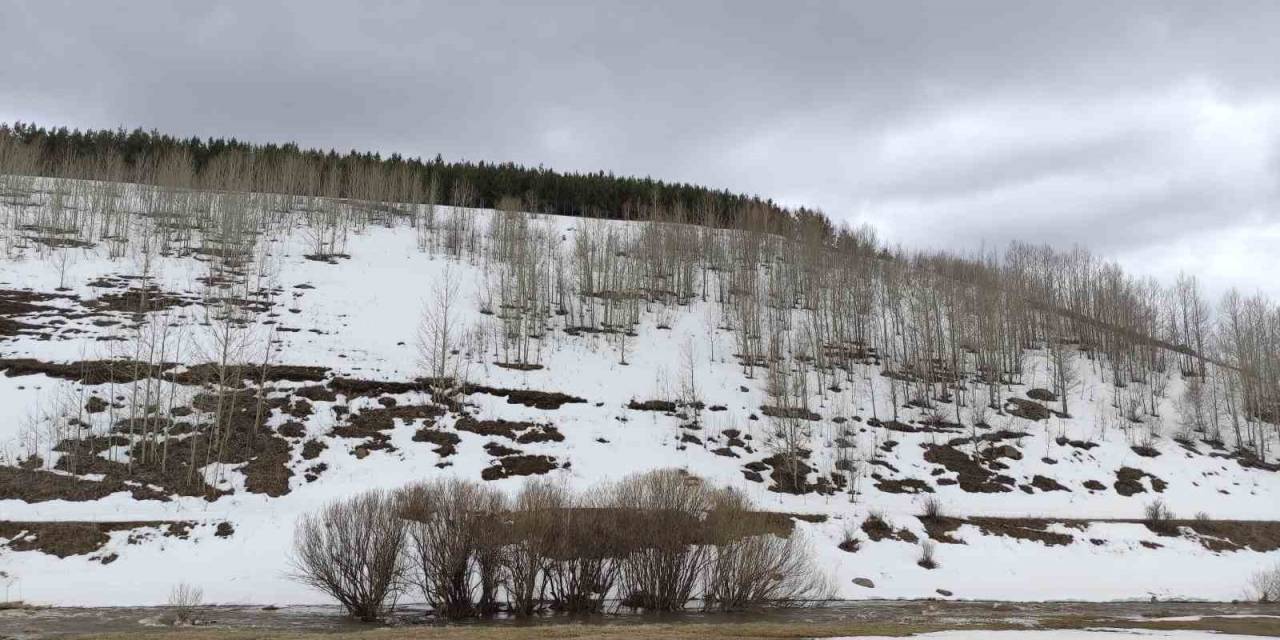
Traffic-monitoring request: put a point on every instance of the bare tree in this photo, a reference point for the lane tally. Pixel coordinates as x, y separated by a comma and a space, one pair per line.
351, 550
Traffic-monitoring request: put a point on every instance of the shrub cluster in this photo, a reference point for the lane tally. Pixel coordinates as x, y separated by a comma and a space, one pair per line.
655, 541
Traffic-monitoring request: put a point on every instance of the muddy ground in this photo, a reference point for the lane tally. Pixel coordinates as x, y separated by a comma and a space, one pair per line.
844, 618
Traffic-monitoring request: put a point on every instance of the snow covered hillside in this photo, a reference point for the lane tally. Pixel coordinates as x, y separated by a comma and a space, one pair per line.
187, 373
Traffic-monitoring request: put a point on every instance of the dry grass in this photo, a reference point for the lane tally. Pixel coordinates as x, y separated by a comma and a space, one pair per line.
654, 631
1257, 626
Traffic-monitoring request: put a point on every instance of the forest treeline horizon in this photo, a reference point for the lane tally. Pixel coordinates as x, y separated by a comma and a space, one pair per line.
152, 157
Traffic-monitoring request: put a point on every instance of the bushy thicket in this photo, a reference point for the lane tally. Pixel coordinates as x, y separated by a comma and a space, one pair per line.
655, 541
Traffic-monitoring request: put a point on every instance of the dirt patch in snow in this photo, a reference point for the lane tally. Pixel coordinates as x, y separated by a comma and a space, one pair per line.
33, 485
652, 405
91, 372
141, 300
446, 442
877, 529
63, 539
791, 413
522, 432
519, 465
971, 475
1234, 535
1129, 482
903, 485
528, 397
1027, 409
355, 387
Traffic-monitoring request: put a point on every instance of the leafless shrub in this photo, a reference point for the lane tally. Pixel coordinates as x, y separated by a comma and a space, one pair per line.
927, 559
1157, 516
184, 603
931, 508
587, 553
1265, 585
351, 550
748, 570
662, 565
535, 530
455, 536
850, 542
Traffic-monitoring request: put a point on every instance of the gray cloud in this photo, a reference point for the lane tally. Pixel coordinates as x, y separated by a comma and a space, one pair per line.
1148, 131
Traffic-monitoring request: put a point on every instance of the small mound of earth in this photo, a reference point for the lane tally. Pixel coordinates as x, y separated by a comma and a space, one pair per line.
446, 442
522, 432
971, 476
877, 529
1027, 409
519, 465
1129, 482
1043, 395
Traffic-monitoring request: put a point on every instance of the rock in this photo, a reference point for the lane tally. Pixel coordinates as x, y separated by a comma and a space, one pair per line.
864, 582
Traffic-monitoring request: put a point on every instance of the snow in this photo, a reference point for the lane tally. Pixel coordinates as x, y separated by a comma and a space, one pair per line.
366, 310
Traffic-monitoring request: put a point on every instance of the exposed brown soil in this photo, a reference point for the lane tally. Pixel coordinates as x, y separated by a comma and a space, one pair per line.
268, 470
652, 405
992, 437
940, 528
903, 485
1234, 535
498, 450
32, 485
141, 300
92, 372
1064, 441
793, 413
547, 400
1028, 409
446, 442
877, 529
790, 473
353, 387
63, 539
17, 304
1044, 483
371, 425
1043, 395
316, 393
519, 465
1022, 529
371, 421
971, 476
311, 449
291, 372
292, 429
519, 366
522, 432
1129, 482
173, 464
1214, 535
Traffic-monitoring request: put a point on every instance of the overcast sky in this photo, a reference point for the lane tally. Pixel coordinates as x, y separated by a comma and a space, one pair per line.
1149, 132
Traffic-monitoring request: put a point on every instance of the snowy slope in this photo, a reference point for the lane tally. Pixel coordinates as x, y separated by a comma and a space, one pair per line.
360, 317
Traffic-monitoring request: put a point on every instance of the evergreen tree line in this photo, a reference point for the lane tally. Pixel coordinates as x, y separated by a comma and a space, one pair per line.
151, 157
